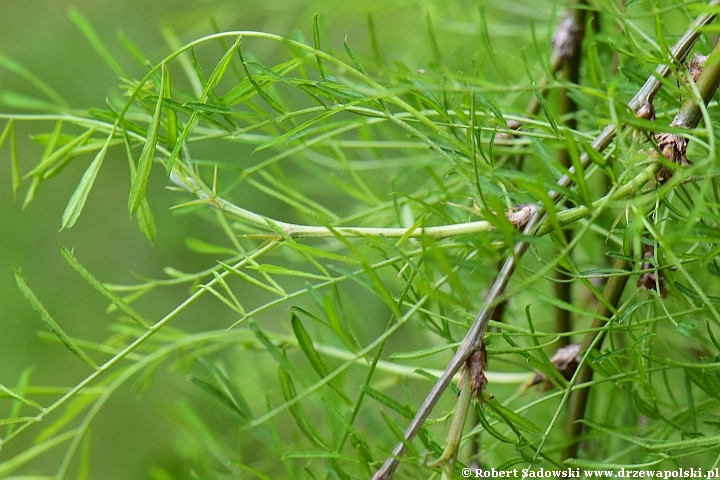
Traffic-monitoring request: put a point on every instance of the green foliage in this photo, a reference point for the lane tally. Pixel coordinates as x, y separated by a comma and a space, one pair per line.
356, 211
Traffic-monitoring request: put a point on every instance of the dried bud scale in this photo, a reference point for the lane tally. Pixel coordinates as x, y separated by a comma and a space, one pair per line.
673, 147
475, 371
696, 65
646, 111
654, 280
519, 216
566, 360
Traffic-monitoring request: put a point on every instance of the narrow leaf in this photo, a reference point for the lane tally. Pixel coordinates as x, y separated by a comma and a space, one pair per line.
6, 131
200, 246
145, 218
337, 326
19, 398
546, 111
353, 57
222, 378
296, 410
84, 25
142, 176
212, 82
49, 160
391, 403
79, 197
132, 48
512, 418
102, 289
18, 69
34, 451
21, 388
274, 351
14, 163
267, 98
422, 353
49, 322
306, 345
173, 124
218, 394
316, 44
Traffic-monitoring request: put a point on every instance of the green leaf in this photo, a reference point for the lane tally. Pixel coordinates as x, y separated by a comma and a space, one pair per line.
82, 23
629, 311
512, 418
79, 197
316, 44
546, 111
236, 397
49, 160
306, 345
18, 69
391, 403
34, 451
200, 246
267, 98
142, 175
6, 131
132, 49
212, 82
488, 428
490, 107
19, 398
14, 163
692, 294
251, 280
278, 270
236, 307
426, 352
217, 394
274, 351
296, 410
51, 324
317, 455
353, 57
21, 388
145, 218
102, 289
173, 123
337, 326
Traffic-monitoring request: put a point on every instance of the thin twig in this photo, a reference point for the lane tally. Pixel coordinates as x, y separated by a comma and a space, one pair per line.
645, 95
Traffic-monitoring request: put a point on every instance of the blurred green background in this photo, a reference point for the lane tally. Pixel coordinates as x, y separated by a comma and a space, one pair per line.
39, 35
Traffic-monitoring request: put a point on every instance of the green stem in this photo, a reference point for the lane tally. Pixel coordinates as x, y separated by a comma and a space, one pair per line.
294, 230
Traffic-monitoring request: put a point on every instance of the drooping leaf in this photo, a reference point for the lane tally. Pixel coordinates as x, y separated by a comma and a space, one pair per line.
49, 322
147, 156
82, 191
102, 289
